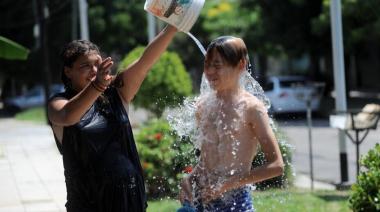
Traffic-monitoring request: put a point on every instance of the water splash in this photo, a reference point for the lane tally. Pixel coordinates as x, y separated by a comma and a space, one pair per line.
232, 172
253, 87
182, 119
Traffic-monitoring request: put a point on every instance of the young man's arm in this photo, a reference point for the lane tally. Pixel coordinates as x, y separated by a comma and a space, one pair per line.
269, 145
186, 192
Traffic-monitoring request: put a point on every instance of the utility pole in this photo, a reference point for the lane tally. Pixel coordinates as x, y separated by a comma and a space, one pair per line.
74, 19
310, 125
83, 20
36, 27
42, 17
339, 79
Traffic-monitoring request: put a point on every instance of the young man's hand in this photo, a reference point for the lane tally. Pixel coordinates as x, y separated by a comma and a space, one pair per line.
213, 191
186, 190
208, 194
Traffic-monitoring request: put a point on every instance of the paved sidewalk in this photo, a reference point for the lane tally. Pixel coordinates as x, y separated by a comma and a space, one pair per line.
31, 171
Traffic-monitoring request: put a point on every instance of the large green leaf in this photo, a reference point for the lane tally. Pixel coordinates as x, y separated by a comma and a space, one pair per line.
11, 50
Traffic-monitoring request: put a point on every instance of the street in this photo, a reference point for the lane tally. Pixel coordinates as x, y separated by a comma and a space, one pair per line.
325, 145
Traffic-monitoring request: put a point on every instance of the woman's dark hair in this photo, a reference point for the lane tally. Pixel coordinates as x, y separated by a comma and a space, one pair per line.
70, 54
231, 49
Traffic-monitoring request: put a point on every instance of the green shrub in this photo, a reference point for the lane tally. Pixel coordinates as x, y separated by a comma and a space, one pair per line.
285, 179
164, 157
166, 85
365, 193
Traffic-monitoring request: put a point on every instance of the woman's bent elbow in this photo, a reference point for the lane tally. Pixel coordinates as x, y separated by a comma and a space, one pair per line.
63, 120
281, 168
68, 121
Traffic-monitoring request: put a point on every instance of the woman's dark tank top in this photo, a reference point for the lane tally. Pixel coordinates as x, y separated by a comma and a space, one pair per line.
102, 167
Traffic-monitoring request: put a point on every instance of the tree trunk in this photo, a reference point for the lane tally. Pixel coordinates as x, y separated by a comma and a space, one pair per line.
353, 75
314, 67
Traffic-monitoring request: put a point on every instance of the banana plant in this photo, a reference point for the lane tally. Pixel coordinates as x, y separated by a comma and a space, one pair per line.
11, 50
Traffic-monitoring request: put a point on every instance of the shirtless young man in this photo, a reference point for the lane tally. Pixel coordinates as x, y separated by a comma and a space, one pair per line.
232, 125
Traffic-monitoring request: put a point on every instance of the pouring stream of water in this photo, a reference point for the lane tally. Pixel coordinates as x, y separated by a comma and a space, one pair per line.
200, 46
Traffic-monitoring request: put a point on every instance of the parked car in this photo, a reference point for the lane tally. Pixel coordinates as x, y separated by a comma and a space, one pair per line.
32, 98
290, 93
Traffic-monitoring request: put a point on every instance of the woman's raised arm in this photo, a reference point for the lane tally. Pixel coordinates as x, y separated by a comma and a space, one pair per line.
135, 73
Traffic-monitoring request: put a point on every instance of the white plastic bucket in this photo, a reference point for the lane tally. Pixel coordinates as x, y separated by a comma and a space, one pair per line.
179, 13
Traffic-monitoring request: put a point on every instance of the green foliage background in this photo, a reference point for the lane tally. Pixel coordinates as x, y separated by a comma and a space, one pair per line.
166, 84
286, 29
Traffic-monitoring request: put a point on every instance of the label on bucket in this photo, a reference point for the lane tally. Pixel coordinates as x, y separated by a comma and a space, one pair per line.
180, 13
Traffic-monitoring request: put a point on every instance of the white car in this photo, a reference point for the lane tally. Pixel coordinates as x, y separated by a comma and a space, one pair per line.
32, 98
289, 94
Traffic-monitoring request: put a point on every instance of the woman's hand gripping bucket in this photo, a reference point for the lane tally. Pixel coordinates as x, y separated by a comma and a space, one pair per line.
180, 13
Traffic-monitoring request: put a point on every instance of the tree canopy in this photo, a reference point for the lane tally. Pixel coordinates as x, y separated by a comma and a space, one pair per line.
269, 28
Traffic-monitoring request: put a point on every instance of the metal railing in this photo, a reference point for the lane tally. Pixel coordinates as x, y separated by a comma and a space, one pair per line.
359, 121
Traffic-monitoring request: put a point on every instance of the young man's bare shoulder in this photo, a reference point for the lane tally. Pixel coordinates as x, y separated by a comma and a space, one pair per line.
200, 100
254, 105
200, 105
203, 100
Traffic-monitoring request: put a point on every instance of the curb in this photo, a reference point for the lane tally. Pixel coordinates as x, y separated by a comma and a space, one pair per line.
304, 181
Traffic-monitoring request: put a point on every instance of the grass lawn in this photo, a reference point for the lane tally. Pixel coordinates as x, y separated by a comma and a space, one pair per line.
34, 114
301, 200
292, 200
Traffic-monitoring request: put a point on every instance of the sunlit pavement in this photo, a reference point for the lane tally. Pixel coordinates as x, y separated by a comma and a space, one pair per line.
31, 172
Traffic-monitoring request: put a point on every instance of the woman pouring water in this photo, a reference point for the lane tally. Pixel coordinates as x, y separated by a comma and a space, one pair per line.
232, 124
92, 130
